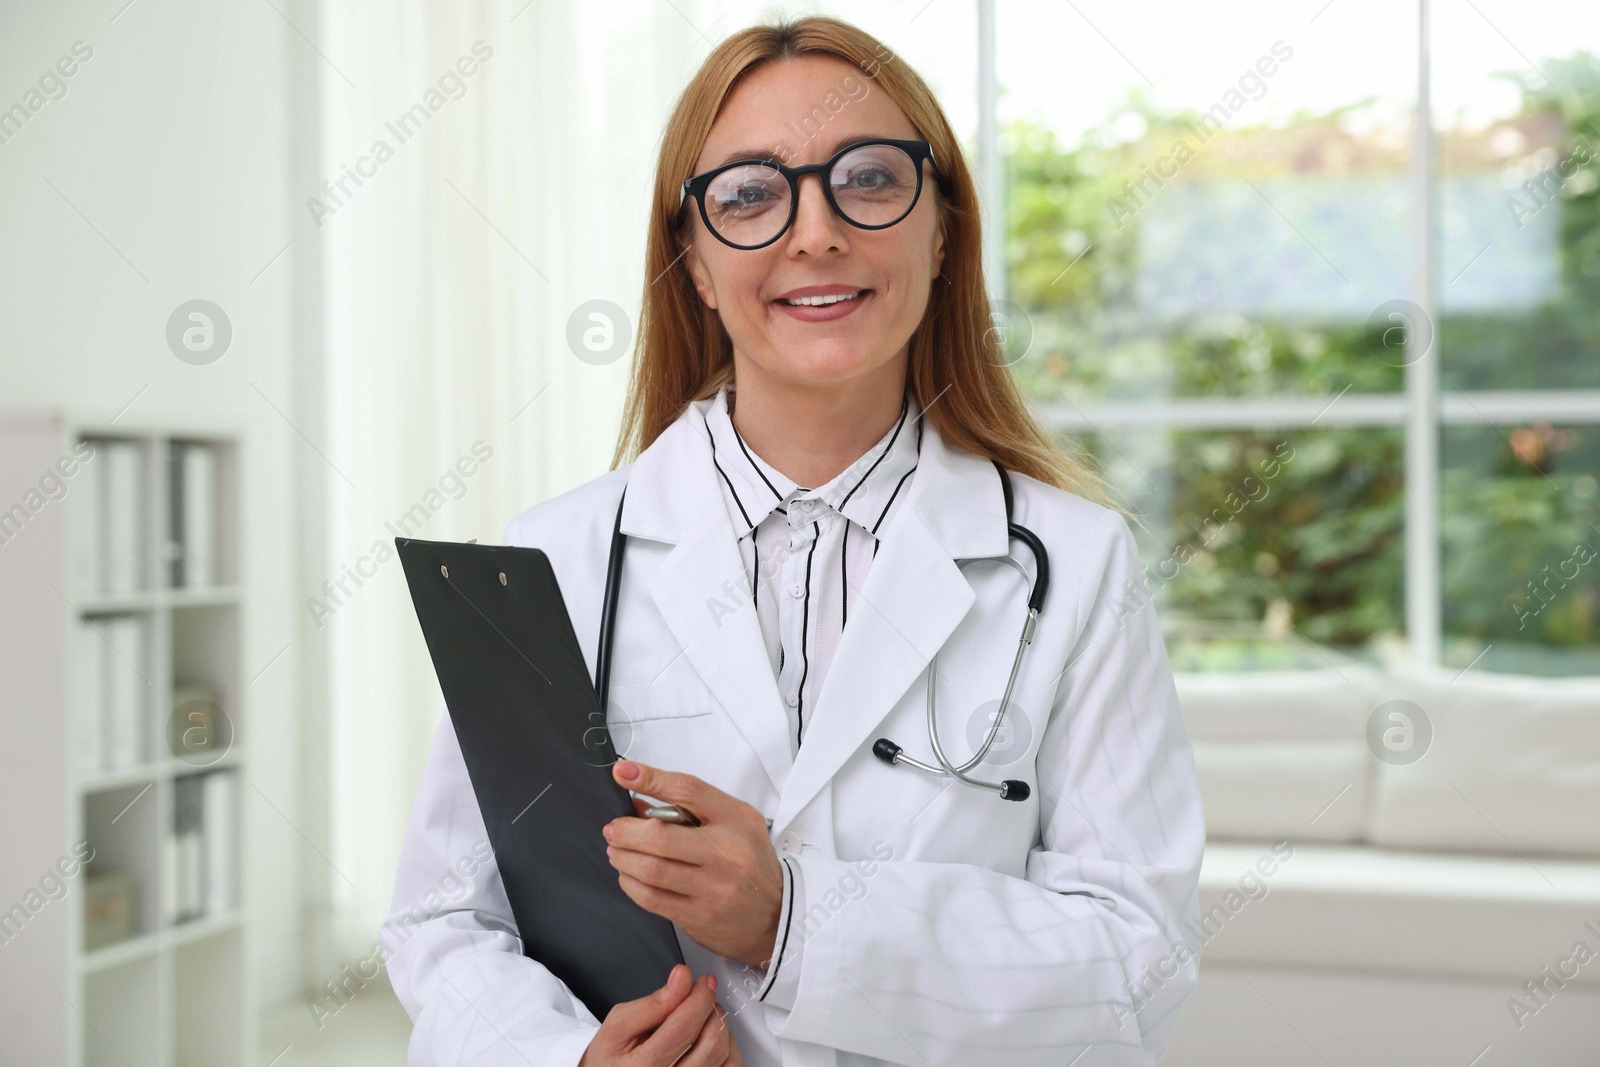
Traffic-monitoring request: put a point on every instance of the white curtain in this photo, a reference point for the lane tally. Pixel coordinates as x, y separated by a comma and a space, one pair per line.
450, 273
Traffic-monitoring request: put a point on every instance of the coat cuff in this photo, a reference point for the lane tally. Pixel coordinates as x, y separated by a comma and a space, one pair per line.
782, 982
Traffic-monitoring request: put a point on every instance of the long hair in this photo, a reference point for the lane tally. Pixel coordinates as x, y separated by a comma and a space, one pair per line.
957, 368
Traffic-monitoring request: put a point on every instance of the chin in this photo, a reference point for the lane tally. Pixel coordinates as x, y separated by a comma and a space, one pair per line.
826, 363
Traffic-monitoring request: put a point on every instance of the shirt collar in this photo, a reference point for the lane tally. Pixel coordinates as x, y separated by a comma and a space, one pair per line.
862, 492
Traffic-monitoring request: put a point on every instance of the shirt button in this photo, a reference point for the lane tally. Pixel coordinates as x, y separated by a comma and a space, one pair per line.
789, 842
793, 700
797, 590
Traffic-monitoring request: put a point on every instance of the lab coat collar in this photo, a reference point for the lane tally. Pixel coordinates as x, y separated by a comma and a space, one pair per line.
862, 492
912, 600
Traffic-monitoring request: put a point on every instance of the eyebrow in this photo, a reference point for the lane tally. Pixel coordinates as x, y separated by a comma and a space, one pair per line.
767, 153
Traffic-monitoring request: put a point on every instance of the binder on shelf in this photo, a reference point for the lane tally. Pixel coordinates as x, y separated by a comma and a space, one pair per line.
188, 820
191, 520
199, 516
219, 815
169, 878
200, 850
124, 517
86, 681
127, 695
175, 517
86, 530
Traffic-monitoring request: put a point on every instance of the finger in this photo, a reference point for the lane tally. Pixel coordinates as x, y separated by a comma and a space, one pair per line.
735, 1057
674, 906
674, 1036
669, 875
696, 794
636, 1018
710, 1048
658, 838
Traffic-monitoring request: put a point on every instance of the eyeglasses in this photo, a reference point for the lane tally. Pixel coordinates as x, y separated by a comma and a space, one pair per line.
750, 203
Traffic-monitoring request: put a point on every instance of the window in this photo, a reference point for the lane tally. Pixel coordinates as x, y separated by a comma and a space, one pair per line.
1348, 434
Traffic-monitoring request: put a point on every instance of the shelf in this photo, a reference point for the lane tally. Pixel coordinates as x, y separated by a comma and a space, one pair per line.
186, 933
169, 767
173, 766
171, 993
107, 690
102, 781
155, 599
207, 597
115, 955
175, 936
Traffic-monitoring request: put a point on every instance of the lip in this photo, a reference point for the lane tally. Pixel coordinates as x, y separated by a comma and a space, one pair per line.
819, 290
826, 313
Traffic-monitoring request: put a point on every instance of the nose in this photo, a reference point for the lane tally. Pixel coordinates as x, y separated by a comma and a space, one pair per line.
815, 226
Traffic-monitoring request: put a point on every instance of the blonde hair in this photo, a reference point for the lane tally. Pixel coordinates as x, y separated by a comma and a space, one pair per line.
957, 368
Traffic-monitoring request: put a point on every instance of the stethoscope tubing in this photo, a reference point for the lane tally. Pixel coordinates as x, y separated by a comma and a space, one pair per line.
883, 748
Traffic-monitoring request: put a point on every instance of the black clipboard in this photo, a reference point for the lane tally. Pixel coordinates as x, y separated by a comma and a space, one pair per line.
539, 757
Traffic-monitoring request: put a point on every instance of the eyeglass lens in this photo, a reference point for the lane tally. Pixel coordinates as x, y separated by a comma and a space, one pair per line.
874, 185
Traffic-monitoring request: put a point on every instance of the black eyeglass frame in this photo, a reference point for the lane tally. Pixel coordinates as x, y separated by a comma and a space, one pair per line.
696, 186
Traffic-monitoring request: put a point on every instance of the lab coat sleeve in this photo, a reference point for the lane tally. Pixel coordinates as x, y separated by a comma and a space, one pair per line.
451, 943
780, 982
1090, 954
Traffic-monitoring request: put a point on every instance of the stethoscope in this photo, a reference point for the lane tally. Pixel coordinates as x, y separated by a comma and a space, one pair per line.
883, 748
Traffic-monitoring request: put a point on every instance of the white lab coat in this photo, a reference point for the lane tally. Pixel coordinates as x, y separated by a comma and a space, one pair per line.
943, 925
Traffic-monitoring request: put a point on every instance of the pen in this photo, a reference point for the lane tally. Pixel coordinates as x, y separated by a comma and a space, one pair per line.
682, 816
672, 813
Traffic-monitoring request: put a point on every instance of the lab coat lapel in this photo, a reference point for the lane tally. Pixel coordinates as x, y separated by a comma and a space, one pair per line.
702, 589
913, 598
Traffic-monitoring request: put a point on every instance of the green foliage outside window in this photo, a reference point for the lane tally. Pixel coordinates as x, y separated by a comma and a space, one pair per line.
1307, 565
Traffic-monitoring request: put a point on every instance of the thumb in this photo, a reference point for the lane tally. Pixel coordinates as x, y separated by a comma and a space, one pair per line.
639, 1017
674, 990
672, 786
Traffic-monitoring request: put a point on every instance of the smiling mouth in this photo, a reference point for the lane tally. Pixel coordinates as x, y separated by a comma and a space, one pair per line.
822, 301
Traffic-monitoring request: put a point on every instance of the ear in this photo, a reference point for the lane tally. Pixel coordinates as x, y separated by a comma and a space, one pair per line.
700, 276
938, 247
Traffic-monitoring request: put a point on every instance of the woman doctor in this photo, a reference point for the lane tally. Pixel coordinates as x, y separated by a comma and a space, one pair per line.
815, 515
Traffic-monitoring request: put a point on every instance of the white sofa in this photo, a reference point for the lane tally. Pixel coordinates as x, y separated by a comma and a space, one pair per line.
1480, 858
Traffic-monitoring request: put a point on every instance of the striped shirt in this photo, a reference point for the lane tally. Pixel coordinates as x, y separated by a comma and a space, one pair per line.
808, 551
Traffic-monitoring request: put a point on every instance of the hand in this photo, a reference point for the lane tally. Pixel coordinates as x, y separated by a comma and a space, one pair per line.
720, 880
682, 1018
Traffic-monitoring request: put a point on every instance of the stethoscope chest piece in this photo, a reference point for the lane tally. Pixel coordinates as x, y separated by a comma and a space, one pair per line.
1010, 788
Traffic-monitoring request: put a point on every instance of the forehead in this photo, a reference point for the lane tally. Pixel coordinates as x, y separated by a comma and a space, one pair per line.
799, 110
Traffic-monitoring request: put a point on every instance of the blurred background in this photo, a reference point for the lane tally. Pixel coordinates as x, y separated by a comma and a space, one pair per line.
1317, 284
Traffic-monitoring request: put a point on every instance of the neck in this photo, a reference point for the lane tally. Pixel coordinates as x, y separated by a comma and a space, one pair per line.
812, 432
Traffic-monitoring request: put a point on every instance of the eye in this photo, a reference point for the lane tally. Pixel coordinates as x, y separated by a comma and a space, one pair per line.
747, 195
873, 178
746, 190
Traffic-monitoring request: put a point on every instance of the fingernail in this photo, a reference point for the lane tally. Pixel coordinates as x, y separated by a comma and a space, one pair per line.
711, 980
627, 770
606, 829
609, 850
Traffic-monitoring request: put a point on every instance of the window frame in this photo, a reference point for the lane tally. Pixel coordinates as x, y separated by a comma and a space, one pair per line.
1419, 407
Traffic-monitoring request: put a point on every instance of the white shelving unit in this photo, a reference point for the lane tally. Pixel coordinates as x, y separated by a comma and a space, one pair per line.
172, 993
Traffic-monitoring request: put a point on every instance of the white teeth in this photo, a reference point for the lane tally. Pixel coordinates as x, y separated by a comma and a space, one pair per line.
820, 301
